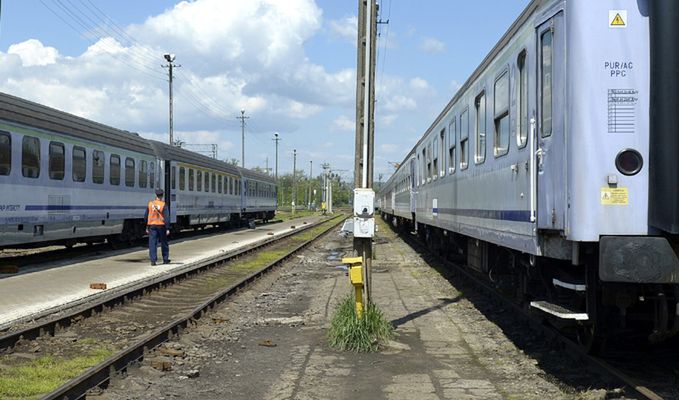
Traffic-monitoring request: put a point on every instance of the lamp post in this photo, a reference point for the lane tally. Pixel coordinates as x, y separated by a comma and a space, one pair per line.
276, 139
170, 58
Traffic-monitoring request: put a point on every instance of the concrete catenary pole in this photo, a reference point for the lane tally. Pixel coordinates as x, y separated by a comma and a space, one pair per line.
311, 171
294, 179
365, 100
242, 119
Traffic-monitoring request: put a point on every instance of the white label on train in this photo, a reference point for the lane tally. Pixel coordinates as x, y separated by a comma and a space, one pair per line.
435, 207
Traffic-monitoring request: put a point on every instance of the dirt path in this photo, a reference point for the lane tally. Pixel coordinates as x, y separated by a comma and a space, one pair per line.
270, 342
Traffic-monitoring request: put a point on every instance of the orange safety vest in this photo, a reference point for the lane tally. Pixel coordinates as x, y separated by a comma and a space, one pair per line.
156, 208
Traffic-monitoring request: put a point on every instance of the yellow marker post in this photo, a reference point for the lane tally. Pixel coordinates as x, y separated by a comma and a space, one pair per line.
356, 277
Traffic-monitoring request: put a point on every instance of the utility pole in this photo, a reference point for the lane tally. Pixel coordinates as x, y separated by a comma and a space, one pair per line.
364, 144
311, 171
276, 139
242, 119
324, 190
170, 58
294, 179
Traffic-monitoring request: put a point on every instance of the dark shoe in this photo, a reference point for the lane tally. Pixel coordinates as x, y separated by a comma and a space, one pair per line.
166, 262
152, 263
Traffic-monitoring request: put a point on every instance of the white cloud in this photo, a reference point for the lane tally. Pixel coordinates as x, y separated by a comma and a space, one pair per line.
344, 123
33, 52
399, 103
418, 83
388, 119
234, 55
431, 45
388, 148
346, 28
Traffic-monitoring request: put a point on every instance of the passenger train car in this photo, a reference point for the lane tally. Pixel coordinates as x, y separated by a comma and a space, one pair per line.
65, 179
553, 170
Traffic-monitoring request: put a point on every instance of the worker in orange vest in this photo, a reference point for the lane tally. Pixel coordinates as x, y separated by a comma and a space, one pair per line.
158, 228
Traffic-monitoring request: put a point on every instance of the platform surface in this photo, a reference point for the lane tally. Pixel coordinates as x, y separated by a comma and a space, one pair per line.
50, 287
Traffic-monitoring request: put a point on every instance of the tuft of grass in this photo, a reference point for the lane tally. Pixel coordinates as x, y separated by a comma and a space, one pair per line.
45, 374
347, 332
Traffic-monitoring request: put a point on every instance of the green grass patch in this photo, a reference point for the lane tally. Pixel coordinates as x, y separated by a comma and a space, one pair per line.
288, 215
347, 332
45, 374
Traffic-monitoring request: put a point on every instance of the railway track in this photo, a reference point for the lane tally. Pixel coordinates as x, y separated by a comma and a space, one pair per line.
119, 330
664, 387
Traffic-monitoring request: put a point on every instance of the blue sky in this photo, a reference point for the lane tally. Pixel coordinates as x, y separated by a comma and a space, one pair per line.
289, 63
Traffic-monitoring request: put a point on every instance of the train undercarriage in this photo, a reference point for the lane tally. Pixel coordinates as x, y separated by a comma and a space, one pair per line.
571, 297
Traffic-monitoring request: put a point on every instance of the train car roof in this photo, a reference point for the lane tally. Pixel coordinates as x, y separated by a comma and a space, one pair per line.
250, 174
167, 152
499, 46
17, 110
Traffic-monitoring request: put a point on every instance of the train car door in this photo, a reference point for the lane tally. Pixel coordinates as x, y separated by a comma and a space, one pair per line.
170, 185
550, 154
413, 192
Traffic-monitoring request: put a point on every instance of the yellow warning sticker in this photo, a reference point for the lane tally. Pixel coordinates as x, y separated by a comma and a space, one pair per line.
614, 196
617, 18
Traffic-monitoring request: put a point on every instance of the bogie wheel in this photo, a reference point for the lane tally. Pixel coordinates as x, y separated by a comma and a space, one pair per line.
591, 338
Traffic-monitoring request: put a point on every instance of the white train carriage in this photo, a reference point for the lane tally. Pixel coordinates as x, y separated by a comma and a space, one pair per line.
199, 190
259, 198
67, 179
535, 169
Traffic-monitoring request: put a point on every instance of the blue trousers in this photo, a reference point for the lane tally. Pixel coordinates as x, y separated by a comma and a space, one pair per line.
157, 234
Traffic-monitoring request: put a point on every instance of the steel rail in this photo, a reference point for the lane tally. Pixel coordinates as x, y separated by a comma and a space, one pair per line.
85, 308
101, 374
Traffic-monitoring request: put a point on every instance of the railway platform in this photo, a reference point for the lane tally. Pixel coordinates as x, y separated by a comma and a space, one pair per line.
269, 342
44, 289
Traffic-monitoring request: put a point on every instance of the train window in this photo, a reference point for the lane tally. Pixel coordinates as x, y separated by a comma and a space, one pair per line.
480, 104
30, 157
173, 178
213, 184
501, 115
5, 153
129, 172
238, 188
57, 161
207, 182
191, 179
199, 179
143, 173
219, 184
152, 174
464, 139
79, 166
435, 157
98, 159
417, 171
452, 141
114, 172
522, 86
443, 152
182, 178
546, 84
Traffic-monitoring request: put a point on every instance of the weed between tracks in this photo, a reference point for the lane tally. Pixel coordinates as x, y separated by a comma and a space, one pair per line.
349, 333
265, 257
30, 379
